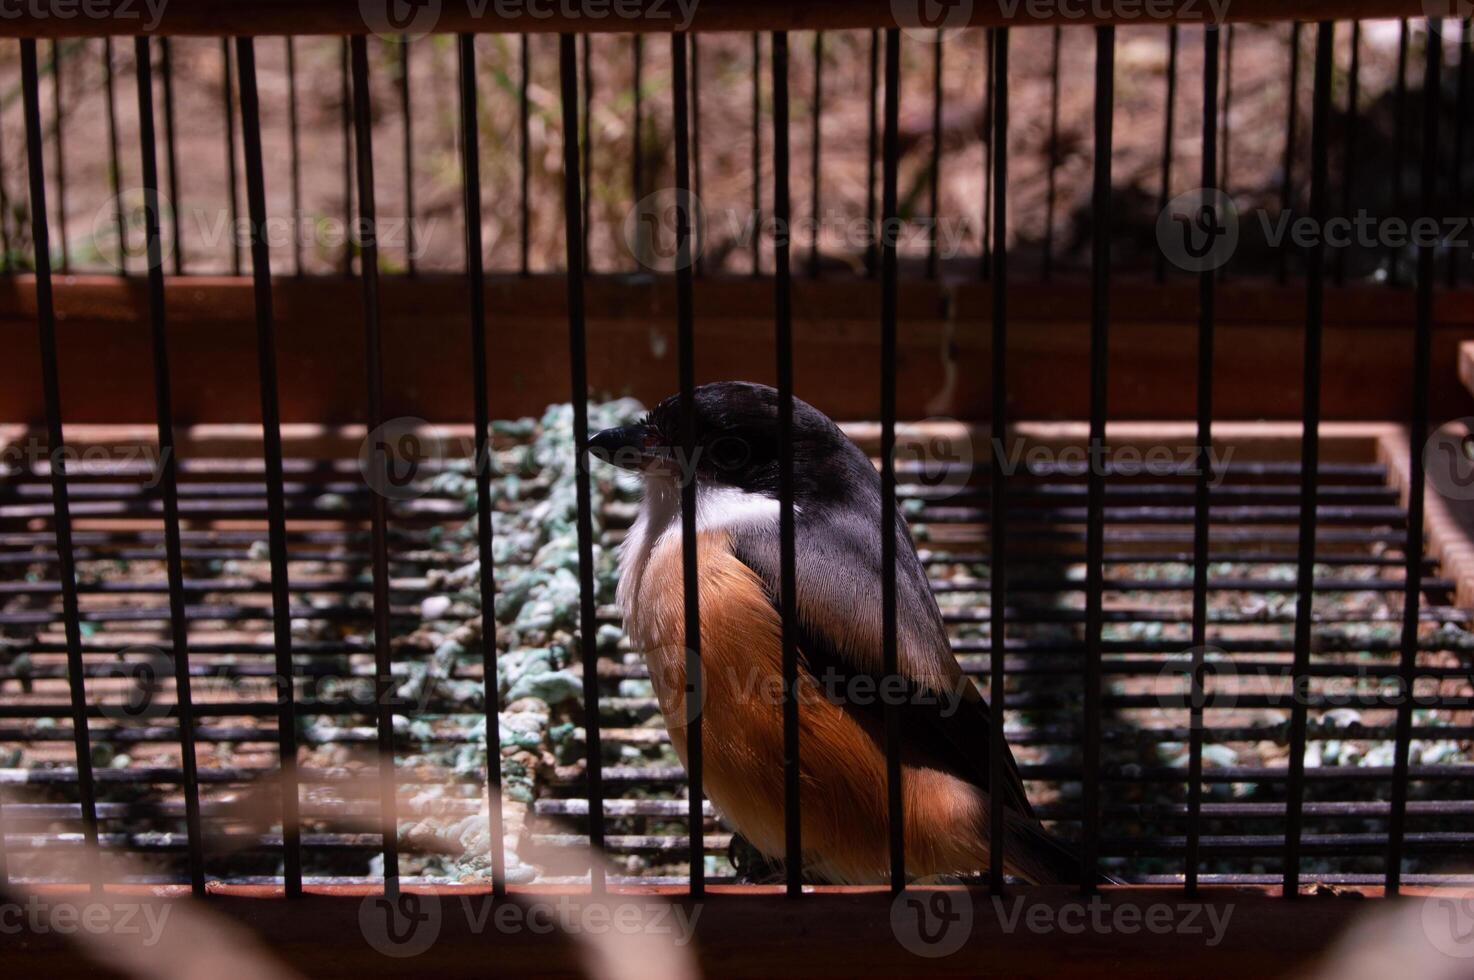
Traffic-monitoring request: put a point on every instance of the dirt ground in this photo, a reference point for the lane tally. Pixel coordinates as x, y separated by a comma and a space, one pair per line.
1256, 131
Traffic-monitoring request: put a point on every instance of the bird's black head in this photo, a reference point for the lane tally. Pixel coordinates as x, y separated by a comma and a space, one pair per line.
737, 444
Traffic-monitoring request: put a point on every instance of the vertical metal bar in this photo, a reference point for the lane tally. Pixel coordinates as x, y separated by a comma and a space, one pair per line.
9, 267
61, 170
276, 520
986, 265
588, 145
816, 115
51, 388
1204, 481
787, 533
1348, 166
409, 157
757, 151
686, 341
695, 42
5, 238
872, 151
637, 161
346, 100
578, 369
1309, 460
1287, 165
524, 150
998, 479
115, 170
294, 136
1417, 434
476, 288
888, 522
1100, 280
934, 170
1461, 109
168, 474
171, 154
1227, 134
373, 340
1165, 192
1399, 142
1047, 270
230, 176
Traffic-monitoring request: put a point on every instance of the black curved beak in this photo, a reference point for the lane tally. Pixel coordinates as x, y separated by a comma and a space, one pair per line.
629, 447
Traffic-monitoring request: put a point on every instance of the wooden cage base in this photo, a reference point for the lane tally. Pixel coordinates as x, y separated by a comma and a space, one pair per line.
943, 347
759, 932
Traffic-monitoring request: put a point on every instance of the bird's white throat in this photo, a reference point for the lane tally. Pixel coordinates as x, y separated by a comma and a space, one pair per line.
718, 508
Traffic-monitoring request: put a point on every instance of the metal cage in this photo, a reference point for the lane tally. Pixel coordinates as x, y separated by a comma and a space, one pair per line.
1337, 486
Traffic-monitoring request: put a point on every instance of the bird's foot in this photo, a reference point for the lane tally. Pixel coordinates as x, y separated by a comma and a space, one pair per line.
753, 867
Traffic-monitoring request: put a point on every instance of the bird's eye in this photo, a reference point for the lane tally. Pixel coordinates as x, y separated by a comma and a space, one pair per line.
729, 452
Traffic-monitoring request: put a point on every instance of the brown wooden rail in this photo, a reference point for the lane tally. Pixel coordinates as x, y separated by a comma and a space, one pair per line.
53, 18
944, 348
756, 932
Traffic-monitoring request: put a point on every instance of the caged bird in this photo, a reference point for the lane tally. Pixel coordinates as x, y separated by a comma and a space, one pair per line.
842, 690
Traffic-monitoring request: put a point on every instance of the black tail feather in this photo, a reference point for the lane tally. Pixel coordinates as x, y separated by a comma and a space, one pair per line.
1043, 859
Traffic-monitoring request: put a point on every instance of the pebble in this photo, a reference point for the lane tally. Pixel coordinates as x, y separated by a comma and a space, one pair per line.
434, 607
